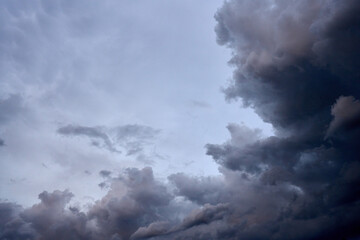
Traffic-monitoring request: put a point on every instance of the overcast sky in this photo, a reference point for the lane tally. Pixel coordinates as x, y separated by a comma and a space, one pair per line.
107, 65
181, 119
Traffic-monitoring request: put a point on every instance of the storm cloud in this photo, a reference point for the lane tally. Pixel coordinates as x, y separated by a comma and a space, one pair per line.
292, 67
135, 199
296, 63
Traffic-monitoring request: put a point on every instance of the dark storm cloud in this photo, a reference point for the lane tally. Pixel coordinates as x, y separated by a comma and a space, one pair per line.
2, 142
200, 190
131, 137
291, 63
199, 217
296, 63
135, 199
153, 230
12, 226
346, 112
206, 215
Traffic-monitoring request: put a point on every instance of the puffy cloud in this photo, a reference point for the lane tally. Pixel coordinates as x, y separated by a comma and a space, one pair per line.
290, 59
291, 66
135, 200
200, 190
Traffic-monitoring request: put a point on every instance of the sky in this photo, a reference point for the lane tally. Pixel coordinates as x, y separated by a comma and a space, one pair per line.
136, 65
156, 119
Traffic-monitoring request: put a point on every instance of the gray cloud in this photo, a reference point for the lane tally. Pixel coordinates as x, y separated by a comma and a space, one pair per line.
200, 190
153, 230
346, 112
105, 173
291, 66
294, 60
205, 215
92, 132
133, 138
135, 199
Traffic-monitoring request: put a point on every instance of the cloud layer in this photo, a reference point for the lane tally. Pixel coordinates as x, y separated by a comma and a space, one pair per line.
296, 64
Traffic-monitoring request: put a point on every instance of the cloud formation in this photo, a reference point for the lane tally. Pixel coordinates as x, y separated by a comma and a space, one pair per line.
346, 113
135, 199
133, 138
296, 64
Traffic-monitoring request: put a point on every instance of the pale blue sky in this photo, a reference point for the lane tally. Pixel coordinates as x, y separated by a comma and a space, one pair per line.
107, 64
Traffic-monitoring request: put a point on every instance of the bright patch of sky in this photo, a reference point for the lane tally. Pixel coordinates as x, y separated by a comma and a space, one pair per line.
104, 69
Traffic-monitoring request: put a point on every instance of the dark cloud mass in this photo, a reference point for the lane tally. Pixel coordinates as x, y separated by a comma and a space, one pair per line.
297, 65
135, 199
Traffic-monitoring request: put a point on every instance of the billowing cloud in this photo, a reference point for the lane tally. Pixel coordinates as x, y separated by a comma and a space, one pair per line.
153, 230
346, 112
291, 66
135, 199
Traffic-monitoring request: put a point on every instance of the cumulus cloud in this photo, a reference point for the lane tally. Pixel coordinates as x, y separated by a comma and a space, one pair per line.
291, 66
134, 200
